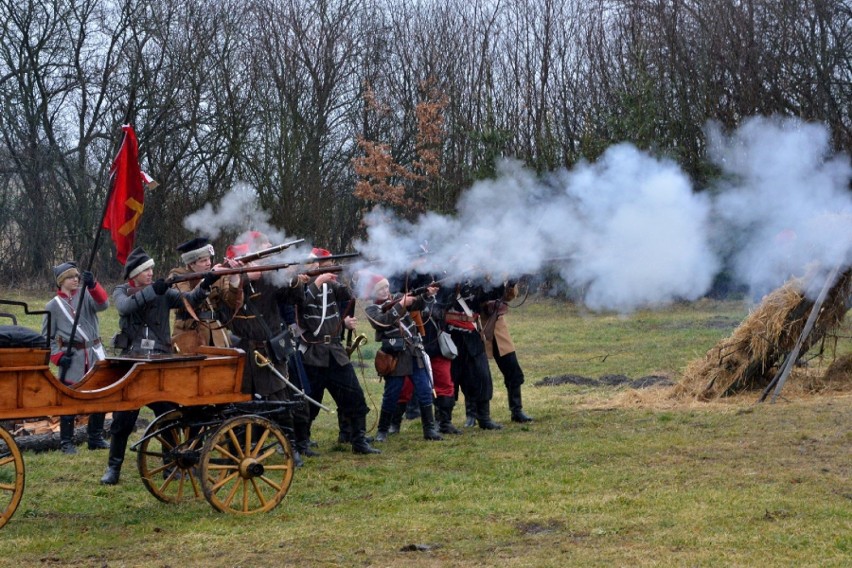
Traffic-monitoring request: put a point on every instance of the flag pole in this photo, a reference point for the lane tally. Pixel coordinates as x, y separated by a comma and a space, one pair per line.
97, 241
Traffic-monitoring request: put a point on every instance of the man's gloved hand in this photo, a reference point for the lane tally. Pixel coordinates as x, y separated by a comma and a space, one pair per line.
88, 279
208, 280
160, 287
65, 361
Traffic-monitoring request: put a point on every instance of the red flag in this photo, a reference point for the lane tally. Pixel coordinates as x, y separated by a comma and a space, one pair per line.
127, 198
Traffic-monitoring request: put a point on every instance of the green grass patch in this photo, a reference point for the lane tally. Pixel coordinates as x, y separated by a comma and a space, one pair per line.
590, 483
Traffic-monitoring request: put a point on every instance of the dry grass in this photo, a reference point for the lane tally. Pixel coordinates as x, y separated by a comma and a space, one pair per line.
747, 360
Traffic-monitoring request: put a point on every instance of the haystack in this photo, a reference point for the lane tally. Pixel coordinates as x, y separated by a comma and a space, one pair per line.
749, 358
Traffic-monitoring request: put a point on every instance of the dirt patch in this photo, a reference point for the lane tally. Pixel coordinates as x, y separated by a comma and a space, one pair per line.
607, 381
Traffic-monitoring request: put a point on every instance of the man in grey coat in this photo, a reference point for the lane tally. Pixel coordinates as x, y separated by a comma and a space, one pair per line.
144, 307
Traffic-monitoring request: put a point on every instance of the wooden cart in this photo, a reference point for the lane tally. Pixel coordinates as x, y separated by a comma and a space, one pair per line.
219, 443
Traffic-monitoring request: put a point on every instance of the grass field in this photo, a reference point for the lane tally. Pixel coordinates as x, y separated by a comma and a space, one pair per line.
603, 477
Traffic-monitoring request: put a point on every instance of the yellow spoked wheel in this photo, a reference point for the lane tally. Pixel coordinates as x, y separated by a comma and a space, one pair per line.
168, 459
246, 466
11, 476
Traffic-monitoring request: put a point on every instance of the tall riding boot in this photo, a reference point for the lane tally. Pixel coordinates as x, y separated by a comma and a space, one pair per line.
301, 431
66, 435
344, 428
427, 418
515, 405
396, 419
116, 458
95, 432
483, 416
469, 413
385, 418
412, 409
359, 437
444, 413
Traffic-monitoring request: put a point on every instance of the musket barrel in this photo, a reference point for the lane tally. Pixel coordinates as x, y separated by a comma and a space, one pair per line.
245, 269
262, 253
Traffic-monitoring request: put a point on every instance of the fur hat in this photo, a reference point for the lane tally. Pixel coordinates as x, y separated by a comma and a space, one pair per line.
138, 261
63, 271
196, 249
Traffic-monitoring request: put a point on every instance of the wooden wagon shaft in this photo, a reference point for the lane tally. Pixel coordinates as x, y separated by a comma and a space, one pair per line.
28, 388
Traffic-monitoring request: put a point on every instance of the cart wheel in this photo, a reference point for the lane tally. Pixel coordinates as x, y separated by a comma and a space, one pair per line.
11, 476
168, 457
246, 466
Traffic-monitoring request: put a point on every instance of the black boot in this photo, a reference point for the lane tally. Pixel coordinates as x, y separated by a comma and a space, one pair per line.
483, 416
385, 419
516, 406
66, 435
359, 437
345, 430
469, 413
396, 419
116, 458
302, 432
444, 413
95, 432
427, 418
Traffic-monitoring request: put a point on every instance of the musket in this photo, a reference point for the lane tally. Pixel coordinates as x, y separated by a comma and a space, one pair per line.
416, 292
244, 269
263, 253
332, 257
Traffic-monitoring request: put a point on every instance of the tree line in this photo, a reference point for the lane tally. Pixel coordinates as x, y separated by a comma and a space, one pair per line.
289, 95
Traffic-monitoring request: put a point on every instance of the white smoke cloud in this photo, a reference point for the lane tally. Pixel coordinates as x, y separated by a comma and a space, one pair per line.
627, 231
784, 207
239, 214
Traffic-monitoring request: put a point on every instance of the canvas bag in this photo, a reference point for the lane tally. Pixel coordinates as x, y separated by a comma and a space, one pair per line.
447, 345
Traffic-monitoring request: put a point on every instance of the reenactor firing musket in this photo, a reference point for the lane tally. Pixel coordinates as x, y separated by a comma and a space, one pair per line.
260, 268
416, 292
263, 253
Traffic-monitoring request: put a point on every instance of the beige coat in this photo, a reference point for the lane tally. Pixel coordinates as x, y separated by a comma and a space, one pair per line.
495, 326
188, 332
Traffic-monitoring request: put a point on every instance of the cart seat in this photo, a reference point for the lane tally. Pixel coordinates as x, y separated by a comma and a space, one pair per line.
21, 346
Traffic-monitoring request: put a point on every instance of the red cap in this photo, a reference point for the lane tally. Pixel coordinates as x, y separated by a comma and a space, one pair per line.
234, 251
319, 252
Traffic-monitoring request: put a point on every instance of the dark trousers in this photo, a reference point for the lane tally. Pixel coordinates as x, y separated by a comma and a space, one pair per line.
342, 384
470, 369
513, 375
124, 421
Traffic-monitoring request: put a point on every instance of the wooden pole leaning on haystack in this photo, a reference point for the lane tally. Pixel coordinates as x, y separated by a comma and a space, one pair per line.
784, 372
748, 358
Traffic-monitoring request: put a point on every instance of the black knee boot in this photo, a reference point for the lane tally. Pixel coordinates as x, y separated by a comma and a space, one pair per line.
66, 435
396, 419
359, 437
385, 419
344, 428
469, 413
444, 414
427, 418
302, 433
95, 432
116, 458
483, 416
515, 405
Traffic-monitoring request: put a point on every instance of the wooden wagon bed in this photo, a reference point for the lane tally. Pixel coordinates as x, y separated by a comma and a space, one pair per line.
28, 388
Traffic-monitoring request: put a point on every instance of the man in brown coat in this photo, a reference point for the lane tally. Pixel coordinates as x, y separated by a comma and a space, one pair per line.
202, 326
501, 348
